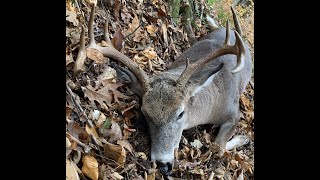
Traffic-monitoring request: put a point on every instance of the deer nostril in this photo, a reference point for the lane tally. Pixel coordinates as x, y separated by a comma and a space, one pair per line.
165, 168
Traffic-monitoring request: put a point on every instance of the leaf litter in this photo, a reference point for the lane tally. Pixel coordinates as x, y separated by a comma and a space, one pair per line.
118, 143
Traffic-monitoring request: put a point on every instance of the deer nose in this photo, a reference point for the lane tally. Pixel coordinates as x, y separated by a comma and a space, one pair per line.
165, 168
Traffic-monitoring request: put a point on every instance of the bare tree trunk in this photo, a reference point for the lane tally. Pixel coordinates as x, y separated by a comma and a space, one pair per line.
174, 8
186, 20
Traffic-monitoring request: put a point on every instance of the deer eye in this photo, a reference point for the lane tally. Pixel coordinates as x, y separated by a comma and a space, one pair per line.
180, 115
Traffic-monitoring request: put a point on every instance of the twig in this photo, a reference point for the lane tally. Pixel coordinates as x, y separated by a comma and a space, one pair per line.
78, 105
77, 4
86, 147
136, 162
132, 32
127, 168
109, 160
141, 48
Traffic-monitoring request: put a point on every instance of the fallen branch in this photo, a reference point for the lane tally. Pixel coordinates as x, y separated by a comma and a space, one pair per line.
85, 147
77, 103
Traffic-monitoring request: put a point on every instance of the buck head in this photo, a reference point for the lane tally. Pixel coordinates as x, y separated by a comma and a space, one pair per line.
163, 106
165, 100
165, 97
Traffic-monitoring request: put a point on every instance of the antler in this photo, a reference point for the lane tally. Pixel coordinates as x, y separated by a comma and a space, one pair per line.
237, 49
111, 52
236, 22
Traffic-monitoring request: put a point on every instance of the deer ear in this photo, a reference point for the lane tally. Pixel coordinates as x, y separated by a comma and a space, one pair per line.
202, 80
126, 77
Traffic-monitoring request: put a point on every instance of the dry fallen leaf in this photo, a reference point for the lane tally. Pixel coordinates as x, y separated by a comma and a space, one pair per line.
133, 25
125, 144
91, 1
71, 172
152, 30
69, 61
109, 73
70, 6
151, 176
125, 15
101, 96
116, 176
95, 55
165, 34
76, 131
245, 101
114, 133
68, 112
68, 143
141, 155
90, 167
71, 16
140, 36
117, 40
127, 132
149, 53
92, 131
207, 137
111, 86
115, 152
101, 120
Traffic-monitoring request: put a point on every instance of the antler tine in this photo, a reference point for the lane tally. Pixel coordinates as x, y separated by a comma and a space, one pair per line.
227, 41
106, 34
111, 52
82, 41
241, 54
237, 49
236, 22
81, 56
92, 42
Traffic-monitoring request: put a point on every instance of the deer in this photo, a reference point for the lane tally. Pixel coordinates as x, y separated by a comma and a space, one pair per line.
202, 86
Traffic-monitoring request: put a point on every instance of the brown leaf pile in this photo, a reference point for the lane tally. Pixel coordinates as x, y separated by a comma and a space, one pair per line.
105, 135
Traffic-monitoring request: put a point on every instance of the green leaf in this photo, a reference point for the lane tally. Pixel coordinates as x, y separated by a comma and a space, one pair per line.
107, 124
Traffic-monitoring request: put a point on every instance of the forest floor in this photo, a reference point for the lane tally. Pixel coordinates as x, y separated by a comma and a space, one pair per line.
106, 135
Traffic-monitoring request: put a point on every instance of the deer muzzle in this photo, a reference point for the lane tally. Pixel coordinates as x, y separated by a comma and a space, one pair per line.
164, 140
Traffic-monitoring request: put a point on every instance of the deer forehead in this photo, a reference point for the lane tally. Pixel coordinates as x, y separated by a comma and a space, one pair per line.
163, 102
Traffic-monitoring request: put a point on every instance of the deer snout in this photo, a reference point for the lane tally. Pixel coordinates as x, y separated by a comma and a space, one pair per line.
164, 163
164, 168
